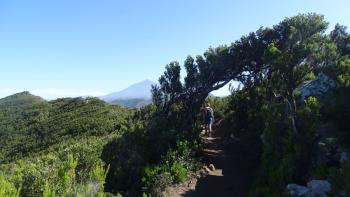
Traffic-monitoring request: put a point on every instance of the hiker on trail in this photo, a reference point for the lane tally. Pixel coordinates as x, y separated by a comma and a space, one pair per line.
208, 119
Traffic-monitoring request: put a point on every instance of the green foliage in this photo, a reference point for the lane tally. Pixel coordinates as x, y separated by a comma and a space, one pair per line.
279, 161
273, 54
132, 103
173, 168
7, 188
336, 110
341, 38
48, 192
309, 117
66, 175
60, 178
341, 71
99, 174
64, 141
322, 171
278, 158
340, 179
245, 112
40, 124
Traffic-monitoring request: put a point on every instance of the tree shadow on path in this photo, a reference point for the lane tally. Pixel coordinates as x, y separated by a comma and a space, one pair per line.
236, 165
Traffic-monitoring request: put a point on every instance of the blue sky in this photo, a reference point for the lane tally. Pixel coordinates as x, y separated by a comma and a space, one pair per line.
64, 48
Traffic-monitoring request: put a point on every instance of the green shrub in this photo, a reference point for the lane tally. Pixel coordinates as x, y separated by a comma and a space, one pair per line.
8, 189
178, 172
340, 179
48, 191
173, 168
278, 157
67, 176
309, 117
160, 183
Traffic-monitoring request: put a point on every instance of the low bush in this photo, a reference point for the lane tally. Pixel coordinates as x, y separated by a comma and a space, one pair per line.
173, 168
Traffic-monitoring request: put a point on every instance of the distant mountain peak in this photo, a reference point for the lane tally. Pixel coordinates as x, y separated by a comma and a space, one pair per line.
139, 90
142, 84
23, 94
21, 97
146, 81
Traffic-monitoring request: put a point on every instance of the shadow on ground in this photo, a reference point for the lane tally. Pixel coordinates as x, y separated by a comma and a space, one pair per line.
236, 165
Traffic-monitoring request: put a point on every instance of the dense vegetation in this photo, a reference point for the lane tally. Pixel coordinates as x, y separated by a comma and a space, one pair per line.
29, 124
85, 147
301, 136
132, 103
54, 147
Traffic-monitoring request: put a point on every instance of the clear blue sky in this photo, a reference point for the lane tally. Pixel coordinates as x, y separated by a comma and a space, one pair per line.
82, 47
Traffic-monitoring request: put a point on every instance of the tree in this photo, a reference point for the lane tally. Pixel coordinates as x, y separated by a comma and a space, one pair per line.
341, 38
170, 88
291, 60
289, 56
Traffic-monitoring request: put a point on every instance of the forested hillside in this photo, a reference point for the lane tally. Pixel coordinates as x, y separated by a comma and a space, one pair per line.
43, 141
132, 103
29, 124
291, 108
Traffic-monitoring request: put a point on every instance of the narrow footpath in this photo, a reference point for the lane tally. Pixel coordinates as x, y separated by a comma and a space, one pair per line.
235, 165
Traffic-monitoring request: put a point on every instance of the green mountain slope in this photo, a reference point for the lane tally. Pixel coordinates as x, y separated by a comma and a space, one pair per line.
29, 124
21, 109
132, 103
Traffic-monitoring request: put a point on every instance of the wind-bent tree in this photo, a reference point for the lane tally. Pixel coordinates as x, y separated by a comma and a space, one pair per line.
281, 54
206, 73
278, 59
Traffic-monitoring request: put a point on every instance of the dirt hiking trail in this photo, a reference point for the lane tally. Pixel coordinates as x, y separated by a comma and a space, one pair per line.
235, 165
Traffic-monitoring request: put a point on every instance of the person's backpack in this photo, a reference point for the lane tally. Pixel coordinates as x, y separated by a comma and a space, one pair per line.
209, 113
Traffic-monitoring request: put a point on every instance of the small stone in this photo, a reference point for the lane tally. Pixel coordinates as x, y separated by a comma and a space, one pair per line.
212, 167
322, 144
189, 183
343, 157
206, 169
295, 190
319, 187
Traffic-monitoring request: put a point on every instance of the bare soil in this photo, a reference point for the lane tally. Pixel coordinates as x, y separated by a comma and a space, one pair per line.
235, 162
